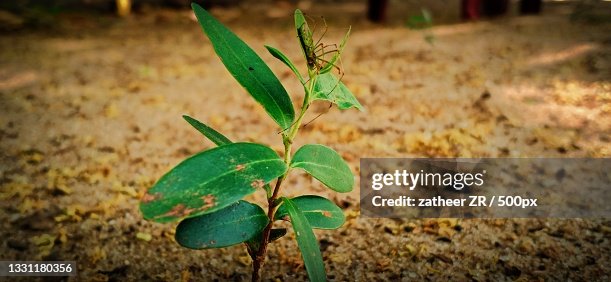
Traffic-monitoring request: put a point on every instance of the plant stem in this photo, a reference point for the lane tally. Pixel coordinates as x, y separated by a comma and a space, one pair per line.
273, 202
259, 258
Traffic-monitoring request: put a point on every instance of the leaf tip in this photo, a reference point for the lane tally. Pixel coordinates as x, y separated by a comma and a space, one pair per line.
195, 5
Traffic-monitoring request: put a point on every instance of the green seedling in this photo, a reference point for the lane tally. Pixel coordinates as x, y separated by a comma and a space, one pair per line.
205, 192
423, 22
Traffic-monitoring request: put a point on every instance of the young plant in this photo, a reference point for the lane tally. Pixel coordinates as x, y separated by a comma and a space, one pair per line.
423, 22
204, 192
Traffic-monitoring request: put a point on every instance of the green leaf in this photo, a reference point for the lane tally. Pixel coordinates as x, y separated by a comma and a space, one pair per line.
213, 135
210, 181
283, 58
325, 165
207, 131
320, 212
304, 34
329, 88
300, 21
423, 21
248, 69
331, 64
254, 244
232, 225
306, 240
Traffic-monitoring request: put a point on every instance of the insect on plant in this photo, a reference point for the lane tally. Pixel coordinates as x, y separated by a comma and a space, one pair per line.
316, 52
205, 192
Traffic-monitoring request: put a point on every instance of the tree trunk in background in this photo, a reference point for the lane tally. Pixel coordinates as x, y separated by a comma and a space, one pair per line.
124, 7
376, 10
494, 8
469, 9
530, 7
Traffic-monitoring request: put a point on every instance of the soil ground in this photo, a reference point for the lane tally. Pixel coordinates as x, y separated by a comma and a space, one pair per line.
90, 117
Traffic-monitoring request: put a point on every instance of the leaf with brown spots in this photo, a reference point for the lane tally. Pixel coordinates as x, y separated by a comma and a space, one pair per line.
147, 198
320, 212
257, 184
176, 210
211, 180
208, 201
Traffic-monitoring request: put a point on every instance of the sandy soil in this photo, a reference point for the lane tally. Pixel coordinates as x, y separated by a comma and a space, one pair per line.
90, 117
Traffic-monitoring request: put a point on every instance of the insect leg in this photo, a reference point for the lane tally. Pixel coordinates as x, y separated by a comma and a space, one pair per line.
326, 111
324, 31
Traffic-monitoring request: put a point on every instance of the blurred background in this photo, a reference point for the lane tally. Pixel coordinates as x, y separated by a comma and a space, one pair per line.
92, 93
